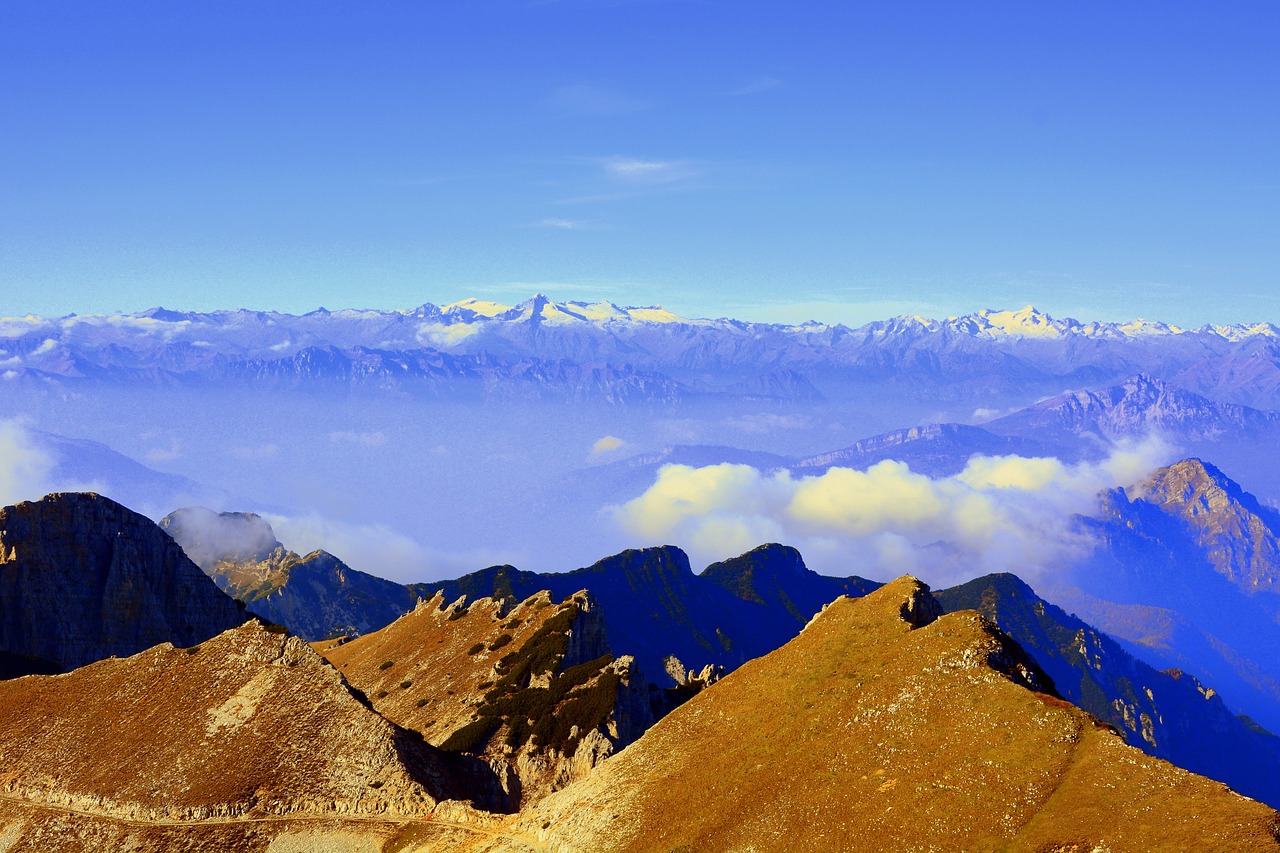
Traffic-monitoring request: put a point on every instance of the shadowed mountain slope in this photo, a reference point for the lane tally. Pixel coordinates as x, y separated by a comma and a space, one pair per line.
315, 596
881, 727
1167, 714
1199, 550
656, 607
83, 578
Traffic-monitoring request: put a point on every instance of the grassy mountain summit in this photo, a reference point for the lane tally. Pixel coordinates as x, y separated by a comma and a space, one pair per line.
885, 726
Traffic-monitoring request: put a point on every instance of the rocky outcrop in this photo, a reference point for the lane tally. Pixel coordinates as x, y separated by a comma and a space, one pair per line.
531, 687
1237, 533
83, 578
657, 607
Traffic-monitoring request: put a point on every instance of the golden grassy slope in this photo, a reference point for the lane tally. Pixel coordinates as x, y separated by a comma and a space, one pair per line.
865, 733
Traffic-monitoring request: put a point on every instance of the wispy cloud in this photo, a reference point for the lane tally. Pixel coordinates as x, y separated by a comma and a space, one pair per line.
565, 224
757, 86
637, 170
585, 99
362, 439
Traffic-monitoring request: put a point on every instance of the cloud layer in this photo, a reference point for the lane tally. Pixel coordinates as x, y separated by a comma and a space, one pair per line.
1004, 513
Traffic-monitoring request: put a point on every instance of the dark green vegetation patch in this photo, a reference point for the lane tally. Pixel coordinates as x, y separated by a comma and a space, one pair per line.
556, 716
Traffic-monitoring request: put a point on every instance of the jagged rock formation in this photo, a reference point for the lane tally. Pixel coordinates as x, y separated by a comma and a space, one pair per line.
878, 729
1168, 714
532, 687
247, 735
316, 596
657, 607
83, 578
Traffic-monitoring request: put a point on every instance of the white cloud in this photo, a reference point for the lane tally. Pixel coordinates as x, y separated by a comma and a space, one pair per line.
565, 224
47, 345
361, 439
164, 454
1003, 513
373, 548
24, 467
585, 99
262, 451
606, 445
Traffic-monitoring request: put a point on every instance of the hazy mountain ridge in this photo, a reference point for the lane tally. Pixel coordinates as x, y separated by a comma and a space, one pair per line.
629, 353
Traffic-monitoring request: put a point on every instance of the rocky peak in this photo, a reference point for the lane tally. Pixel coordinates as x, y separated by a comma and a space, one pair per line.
83, 578
1237, 532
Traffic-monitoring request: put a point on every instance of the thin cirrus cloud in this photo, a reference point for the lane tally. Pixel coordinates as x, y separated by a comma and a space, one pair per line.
582, 99
636, 170
758, 86
1005, 513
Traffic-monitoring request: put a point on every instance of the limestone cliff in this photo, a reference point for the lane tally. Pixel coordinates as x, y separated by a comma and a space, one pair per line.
83, 578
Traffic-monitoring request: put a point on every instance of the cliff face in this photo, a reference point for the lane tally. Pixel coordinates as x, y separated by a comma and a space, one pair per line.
83, 578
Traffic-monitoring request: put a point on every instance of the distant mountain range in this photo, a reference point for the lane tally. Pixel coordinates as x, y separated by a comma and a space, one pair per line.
625, 355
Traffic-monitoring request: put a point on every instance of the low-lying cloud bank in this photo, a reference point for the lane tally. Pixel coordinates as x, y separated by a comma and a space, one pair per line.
1000, 514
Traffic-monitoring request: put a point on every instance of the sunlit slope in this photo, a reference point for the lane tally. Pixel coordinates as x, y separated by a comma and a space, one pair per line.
531, 688
869, 733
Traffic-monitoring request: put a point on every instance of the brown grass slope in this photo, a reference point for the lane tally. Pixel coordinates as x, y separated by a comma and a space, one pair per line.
531, 688
251, 725
869, 733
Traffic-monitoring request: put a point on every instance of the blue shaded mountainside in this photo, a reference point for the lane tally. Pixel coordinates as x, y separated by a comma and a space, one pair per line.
1168, 714
656, 607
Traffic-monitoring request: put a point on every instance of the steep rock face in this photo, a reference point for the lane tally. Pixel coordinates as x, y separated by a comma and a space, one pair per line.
529, 687
869, 731
315, 596
83, 578
1199, 550
1167, 714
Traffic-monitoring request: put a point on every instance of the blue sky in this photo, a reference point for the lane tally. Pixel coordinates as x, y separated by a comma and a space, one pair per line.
776, 161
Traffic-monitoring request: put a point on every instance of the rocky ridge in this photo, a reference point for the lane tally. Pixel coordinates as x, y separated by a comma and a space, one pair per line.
530, 687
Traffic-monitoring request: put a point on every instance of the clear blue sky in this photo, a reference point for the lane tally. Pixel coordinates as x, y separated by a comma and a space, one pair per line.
772, 160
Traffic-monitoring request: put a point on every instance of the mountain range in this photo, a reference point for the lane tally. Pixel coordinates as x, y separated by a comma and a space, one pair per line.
629, 354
